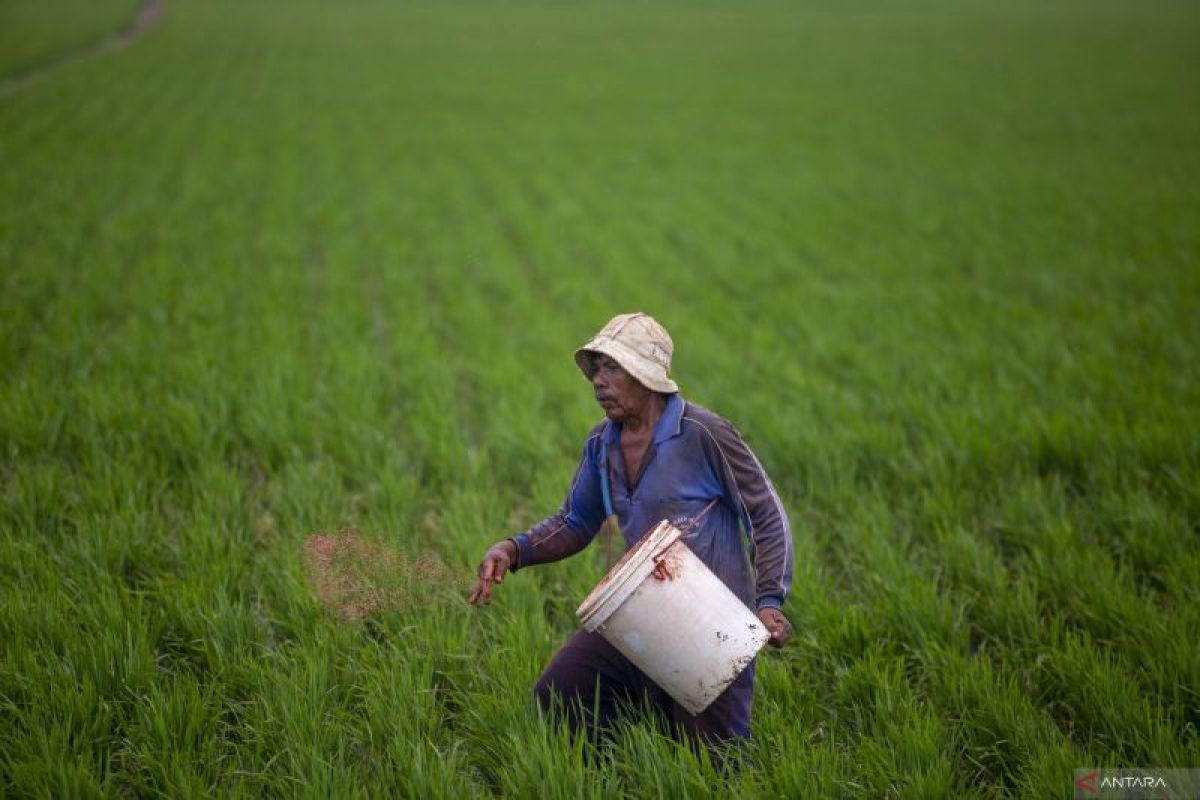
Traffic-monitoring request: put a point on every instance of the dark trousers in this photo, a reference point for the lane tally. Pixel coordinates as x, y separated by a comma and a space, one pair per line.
592, 680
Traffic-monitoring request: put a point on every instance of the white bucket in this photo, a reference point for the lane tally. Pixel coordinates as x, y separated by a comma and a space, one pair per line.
674, 619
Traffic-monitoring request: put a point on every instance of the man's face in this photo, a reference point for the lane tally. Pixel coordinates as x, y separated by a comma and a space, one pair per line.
617, 392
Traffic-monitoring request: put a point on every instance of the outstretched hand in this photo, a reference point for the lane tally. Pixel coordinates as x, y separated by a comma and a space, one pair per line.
498, 560
777, 625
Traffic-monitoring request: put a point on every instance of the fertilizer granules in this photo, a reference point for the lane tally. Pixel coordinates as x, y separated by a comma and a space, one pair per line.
353, 577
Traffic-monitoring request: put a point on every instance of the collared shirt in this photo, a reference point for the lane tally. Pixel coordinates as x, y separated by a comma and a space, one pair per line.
695, 456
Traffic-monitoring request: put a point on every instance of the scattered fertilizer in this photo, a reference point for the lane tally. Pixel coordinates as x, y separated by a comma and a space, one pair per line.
353, 577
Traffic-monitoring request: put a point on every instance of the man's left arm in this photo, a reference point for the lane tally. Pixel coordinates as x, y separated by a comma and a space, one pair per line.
766, 520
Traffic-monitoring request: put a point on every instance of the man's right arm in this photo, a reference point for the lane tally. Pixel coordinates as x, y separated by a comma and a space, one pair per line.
577, 521
555, 537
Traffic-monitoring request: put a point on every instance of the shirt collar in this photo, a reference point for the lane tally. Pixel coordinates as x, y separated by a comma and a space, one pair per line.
667, 426
669, 422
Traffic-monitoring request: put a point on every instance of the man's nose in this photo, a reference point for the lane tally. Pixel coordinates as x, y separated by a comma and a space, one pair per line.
598, 380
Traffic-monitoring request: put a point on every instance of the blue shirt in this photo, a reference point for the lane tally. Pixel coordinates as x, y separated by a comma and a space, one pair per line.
694, 457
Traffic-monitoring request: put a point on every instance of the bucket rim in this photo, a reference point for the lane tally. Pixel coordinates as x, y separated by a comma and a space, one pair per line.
619, 582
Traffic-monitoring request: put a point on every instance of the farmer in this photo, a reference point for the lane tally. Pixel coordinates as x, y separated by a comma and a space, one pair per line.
655, 456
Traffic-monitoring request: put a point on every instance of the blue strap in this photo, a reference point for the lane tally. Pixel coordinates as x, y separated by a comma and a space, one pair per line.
605, 491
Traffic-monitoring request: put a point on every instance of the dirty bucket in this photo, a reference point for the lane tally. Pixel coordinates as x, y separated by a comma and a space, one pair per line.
674, 619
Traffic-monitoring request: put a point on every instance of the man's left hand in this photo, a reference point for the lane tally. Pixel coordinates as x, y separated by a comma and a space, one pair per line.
777, 625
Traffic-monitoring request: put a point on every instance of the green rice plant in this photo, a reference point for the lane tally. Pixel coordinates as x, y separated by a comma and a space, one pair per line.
37, 34
274, 271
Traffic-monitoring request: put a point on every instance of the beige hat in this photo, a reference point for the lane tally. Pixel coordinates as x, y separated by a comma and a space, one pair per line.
639, 344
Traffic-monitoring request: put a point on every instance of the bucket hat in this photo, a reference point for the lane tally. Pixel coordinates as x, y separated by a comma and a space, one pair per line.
639, 344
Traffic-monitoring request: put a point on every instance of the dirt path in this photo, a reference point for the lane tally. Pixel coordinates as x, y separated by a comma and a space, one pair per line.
149, 17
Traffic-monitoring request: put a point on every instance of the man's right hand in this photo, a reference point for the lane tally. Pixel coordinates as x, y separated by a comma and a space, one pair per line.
499, 559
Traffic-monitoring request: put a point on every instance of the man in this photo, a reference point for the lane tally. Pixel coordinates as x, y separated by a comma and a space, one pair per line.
654, 457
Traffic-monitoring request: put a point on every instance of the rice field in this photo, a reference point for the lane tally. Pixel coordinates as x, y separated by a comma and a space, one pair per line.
277, 269
37, 33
